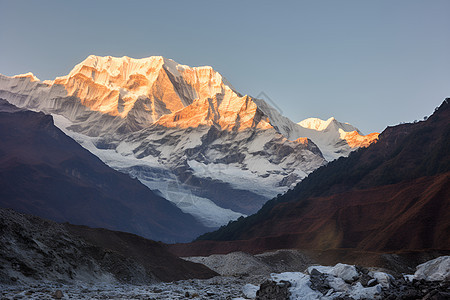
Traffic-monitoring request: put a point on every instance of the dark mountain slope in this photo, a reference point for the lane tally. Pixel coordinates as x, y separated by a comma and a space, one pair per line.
35, 249
45, 173
393, 195
150, 254
406, 216
403, 152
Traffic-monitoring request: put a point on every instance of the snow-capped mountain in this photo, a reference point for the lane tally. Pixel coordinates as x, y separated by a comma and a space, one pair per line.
184, 131
335, 139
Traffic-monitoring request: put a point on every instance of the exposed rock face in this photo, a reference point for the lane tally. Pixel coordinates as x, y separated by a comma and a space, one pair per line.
271, 290
34, 249
184, 131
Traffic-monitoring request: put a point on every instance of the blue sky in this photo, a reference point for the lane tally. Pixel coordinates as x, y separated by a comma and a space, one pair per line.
369, 63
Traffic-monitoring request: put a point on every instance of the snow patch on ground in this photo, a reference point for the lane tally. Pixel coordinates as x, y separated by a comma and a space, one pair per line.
250, 290
301, 287
436, 269
346, 272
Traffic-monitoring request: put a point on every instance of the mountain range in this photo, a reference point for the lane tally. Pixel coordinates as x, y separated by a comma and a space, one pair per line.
184, 132
391, 196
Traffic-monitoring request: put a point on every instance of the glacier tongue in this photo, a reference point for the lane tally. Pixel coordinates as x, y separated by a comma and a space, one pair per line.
157, 177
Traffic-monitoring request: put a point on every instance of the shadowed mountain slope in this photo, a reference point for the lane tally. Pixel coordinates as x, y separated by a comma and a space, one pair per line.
45, 173
34, 249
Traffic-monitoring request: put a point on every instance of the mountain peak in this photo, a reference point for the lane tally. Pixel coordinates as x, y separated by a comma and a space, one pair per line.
27, 75
141, 91
115, 66
324, 131
148, 88
128, 66
316, 123
322, 125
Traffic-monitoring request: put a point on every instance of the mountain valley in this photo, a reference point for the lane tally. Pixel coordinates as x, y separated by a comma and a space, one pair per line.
108, 174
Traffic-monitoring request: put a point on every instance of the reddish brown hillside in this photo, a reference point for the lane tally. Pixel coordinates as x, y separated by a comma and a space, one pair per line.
405, 216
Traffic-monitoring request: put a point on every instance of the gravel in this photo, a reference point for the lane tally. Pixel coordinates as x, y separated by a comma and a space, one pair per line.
220, 287
244, 264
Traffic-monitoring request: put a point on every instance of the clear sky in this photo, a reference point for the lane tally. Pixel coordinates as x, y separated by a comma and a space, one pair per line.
369, 63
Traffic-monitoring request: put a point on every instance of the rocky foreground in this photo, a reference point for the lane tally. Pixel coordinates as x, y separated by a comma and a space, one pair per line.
40, 259
346, 282
431, 279
244, 276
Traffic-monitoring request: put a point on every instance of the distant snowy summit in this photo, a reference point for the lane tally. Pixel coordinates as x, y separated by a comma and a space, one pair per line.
321, 125
333, 130
184, 131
